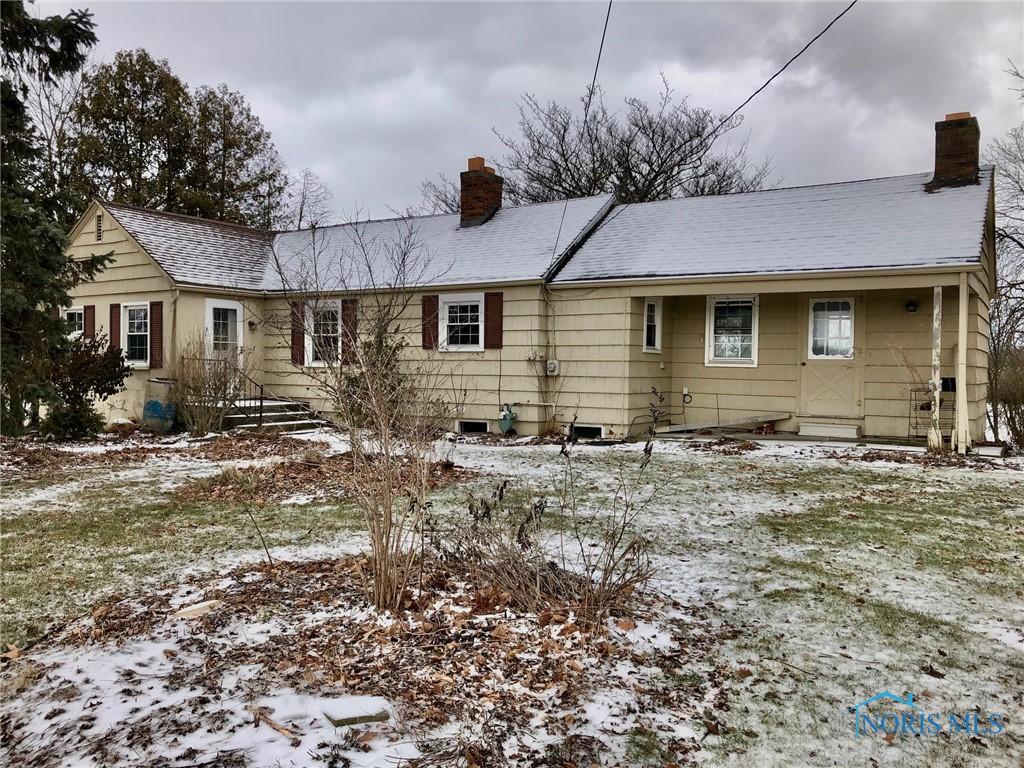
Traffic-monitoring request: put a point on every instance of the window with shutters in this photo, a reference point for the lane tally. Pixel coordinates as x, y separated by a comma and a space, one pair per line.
731, 332
135, 330
74, 318
461, 322
323, 338
652, 325
831, 329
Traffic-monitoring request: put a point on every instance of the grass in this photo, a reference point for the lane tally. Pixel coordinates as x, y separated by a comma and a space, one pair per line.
55, 561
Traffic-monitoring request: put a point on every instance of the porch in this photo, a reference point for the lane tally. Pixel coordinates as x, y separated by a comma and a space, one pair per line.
826, 357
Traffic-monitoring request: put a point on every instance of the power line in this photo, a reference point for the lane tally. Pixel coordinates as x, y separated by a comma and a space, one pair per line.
710, 137
586, 111
782, 69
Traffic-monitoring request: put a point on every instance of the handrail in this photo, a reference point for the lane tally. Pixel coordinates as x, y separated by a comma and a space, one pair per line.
252, 389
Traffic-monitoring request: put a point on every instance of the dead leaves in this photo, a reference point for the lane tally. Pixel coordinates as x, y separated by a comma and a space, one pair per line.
313, 474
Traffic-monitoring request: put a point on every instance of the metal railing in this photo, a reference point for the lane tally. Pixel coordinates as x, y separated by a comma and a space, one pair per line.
246, 387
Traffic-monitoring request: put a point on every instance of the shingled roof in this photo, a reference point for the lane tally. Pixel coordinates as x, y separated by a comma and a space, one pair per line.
877, 223
198, 251
518, 244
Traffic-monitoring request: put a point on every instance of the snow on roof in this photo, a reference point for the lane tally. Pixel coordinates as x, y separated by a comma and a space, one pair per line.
888, 222
198, 251
516, 244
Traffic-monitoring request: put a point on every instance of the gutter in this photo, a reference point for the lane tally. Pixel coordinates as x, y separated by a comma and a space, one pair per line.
742, 276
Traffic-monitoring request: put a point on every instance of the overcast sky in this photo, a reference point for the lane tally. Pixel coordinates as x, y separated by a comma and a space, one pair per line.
374, 97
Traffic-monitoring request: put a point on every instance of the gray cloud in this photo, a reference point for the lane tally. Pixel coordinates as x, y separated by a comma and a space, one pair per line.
375, 97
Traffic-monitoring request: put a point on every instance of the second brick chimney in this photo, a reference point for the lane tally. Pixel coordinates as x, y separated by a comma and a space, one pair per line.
957, 141
481, 193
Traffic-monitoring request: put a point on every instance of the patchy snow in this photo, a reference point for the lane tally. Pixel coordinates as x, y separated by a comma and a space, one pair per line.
812, 621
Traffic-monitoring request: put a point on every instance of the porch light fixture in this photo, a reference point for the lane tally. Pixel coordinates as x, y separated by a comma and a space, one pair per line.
910, 306
252, 325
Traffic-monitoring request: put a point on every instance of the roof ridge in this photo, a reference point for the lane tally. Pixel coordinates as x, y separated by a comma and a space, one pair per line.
787, 189
186, 217
431, 215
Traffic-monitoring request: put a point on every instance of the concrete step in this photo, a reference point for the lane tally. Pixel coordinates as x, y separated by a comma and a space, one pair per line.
299, 425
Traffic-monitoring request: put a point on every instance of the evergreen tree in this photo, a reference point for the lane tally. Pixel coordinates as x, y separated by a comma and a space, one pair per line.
36, 274
134, 137
233, 165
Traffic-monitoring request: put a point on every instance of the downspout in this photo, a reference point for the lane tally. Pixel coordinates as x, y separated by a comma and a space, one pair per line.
174, 325
625, 361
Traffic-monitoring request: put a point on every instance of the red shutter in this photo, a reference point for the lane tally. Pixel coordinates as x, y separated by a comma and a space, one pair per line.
156, 334
428, 306
89, 321
115, 326
349, 329
298, 333
494, 318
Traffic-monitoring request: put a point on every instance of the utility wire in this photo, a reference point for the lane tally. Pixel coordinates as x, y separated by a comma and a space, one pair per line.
586, 112
782, 69
710, 137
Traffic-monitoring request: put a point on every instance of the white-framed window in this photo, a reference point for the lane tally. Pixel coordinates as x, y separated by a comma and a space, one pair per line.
323, 332
731, 332
461, 322
135, 334
74, 318
652, 325
224, 334
830, 329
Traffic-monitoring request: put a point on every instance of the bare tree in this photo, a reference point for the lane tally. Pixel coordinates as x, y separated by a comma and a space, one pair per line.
352, 290
308, 202
645, 152
51, 102
1006, 343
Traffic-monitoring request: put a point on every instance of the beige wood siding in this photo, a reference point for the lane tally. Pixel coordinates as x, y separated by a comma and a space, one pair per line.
131, 277
489, 378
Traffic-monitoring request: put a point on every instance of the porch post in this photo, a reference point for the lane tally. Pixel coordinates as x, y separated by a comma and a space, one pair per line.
935, 430
963, 429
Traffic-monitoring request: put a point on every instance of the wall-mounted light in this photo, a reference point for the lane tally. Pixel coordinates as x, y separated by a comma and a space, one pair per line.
910, 306
252, 325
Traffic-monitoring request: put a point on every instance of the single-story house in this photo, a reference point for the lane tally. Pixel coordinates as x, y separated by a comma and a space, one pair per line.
810, 307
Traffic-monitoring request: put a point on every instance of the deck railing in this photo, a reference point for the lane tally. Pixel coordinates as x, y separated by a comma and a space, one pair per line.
239, 386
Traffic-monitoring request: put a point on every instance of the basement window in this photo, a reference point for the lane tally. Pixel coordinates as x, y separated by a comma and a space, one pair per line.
586, 432
731, 331
473, 427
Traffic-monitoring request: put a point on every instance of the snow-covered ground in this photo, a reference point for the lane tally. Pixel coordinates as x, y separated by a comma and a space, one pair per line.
800, 580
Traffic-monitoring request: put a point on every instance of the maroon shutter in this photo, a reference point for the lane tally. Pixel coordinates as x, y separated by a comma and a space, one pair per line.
156, 334
428, 306
349, 329
115, 326
89, 320
298, 333
493, 320
55, 312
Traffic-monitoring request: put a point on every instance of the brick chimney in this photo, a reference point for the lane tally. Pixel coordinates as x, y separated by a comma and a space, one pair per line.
957, 139
481, 193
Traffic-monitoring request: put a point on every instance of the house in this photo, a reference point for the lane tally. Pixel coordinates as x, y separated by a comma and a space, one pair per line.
810, 308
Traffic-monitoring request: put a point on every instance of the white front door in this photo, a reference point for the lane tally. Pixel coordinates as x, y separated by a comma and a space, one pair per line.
224, 329
832, 365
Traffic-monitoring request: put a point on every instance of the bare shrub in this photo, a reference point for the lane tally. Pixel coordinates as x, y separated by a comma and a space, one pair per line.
392, 401
599, 564
206, 386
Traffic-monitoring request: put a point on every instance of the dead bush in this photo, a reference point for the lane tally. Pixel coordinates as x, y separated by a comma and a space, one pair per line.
207, 385
597, 567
